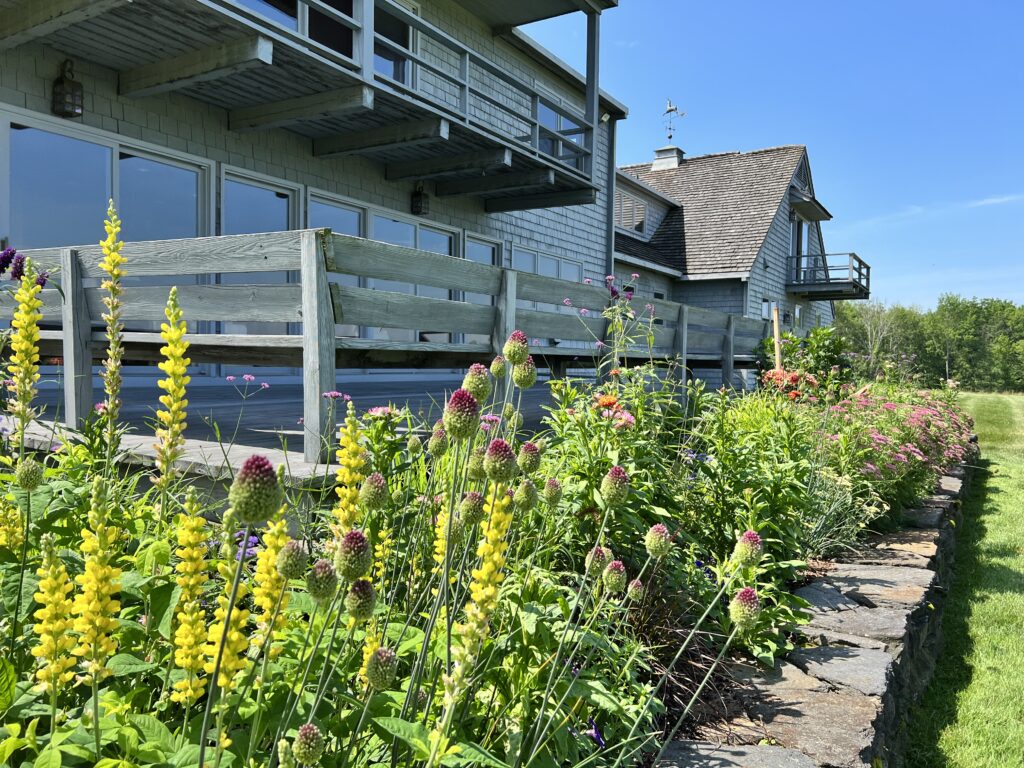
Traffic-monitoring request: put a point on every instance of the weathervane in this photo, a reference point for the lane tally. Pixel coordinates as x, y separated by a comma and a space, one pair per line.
670, 115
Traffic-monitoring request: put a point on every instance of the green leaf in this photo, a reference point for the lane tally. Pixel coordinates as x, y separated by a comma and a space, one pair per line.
9, 746
413, 734
156, 553
162, 602
126, 664
48, 758
153, 730
186, 757
7, 685
468, 753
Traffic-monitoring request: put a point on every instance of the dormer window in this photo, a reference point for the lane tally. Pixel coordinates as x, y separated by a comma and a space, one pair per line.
630, 212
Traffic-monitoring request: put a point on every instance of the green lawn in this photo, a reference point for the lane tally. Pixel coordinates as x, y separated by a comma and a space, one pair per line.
973, 713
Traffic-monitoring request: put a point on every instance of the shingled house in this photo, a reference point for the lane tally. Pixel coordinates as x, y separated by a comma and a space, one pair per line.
735, 231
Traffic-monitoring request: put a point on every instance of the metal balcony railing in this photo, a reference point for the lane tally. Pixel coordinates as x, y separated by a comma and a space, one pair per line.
829, 276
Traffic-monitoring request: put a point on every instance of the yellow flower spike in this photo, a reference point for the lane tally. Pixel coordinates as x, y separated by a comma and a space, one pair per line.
235, 640
350, 473
191, 575
382, 551
170, 432
113, 265
370, 644
269, 584
23, 368
53, 650
10, 527
95, 607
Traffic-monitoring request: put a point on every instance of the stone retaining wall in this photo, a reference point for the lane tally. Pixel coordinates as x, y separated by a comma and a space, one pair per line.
842, 701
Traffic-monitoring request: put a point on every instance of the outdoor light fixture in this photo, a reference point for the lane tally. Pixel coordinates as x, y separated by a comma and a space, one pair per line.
420, 201
68, 95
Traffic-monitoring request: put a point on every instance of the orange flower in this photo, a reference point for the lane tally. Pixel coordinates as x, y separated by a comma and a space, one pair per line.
607, 401
794, 394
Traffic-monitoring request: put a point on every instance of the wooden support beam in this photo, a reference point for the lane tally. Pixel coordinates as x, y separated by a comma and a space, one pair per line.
263, 117
32, 19
211, 63
728, 353
504, 310
75, 321
317, 346
403, 134
485, 160
499, 182
545, 200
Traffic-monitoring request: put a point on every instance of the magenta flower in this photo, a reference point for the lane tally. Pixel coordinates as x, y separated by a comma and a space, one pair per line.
229, 378
609, 278
248, 378
265, 385
587, 281
335, 395
635, 276
567, 301
584, 311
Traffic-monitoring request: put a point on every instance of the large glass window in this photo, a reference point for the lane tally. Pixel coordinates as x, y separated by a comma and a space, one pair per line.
387, 61
482, 252
158, 200
344, 220
526, 260
329, 31
59, 189
283, 12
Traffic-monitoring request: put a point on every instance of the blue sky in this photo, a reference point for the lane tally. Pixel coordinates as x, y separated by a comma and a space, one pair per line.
912, 112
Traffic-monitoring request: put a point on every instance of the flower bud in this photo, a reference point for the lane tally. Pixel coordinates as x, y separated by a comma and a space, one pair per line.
614, 577
524, 374
285, 756
374, 492
256, 493
748, 550
635, 590
354, 557
516, 348
414, 445
525, 497
29, 474
291, 560
598, 558
528, 458
381, 668
744, 608
658, 541
322, 581
475, 468
477, 383
437, 445
615, 486
499, 368
308, 745
361, 600
472, 508
461, 415
552, 492
500, 461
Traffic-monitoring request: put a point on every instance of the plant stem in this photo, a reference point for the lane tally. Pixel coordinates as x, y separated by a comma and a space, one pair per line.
21, 578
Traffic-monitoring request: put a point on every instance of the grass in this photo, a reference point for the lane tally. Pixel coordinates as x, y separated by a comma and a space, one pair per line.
973, 712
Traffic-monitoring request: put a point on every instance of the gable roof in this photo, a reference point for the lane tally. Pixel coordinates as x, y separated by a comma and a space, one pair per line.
728, 203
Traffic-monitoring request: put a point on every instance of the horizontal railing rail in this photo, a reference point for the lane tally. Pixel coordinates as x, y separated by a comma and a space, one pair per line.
822, 269
469, 312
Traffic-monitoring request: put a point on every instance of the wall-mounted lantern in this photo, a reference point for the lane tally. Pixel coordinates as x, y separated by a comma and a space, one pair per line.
420, 205
68, 94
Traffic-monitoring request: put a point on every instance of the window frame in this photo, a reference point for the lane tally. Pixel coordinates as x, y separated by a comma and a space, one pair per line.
637, 200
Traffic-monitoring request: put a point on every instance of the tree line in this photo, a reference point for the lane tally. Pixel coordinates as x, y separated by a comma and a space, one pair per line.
977, 343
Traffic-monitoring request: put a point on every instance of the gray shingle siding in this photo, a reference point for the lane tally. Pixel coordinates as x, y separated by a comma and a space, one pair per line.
723, 295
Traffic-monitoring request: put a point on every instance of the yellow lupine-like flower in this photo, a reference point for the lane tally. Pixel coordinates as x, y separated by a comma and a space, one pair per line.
10, 527
382, 551
53, 625
235, 643
370, 644
113, 265
23, 369
269, 584
171, 429
350, 473
95, 607
191, 575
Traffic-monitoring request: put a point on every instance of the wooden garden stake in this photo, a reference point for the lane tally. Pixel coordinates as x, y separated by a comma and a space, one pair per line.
777, 333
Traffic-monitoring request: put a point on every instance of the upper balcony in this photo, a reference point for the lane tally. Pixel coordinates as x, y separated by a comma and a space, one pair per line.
357, 77
828, 276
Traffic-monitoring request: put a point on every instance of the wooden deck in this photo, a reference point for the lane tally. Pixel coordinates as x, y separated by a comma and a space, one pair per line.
267, 422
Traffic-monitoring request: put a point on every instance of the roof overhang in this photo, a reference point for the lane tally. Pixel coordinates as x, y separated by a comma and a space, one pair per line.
808, 207
651, 266
512, 13
629, 180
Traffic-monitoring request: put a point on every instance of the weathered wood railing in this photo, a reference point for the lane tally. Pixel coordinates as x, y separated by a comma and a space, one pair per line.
562, 337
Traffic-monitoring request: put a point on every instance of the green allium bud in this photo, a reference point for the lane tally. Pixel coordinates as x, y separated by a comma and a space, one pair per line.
524, 374
381, 668
635, 590
322, 581
615, 486
374, 492
614, 577
509, 411
437, 445
461, 415
398, 497
499, 368
256, 494
285, 756
528, 458
308, 745
361, 600
292, 560
472, 508
744, 609
748, 550
658, 541
354, 556
414, 445
477, 383
516, 348
552, 492
475, 469
500, 461
598, 558
29, 474
526, 495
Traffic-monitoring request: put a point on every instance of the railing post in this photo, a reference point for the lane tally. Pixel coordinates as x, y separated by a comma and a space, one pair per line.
364, 14
77, 341
318, 347
680, 347
464, 84
727, 352
535, 124
504, 310
593, 95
